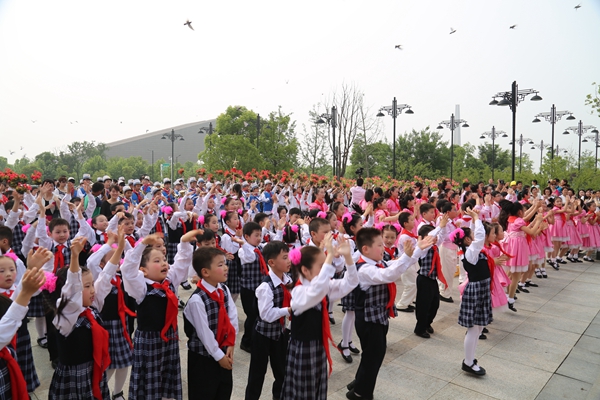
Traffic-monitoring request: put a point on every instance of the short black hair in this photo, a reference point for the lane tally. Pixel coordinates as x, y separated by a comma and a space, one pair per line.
359, 182
97, 187
58, 222
126, 216
251, 227
258, 218
274, 249
203, 258
295, 211
6, 233
366, 237
403, 218
424, 230
114, 206
316, 224
425, 207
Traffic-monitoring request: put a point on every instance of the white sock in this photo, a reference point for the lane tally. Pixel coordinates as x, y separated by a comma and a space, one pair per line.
511, 300
120, 378
40, 326
576, 256
347, 326
471, 339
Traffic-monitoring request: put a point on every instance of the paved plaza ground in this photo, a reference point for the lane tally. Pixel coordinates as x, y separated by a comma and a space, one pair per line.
549, 349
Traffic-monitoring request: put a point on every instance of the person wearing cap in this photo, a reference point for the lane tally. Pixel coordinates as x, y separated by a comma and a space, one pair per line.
136, 196
146, 185
267, 198
127, 198
86, 182
167, 191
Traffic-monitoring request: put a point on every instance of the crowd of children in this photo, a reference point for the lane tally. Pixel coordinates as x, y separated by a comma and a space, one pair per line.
98, 270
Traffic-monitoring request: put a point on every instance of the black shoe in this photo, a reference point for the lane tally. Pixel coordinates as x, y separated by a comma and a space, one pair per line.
446, 299
407, 309
538, 274
43, 342
429, 330
577, 260
118, 396
470, 369
424, 335
351, 385
245, 347
544, 274
560, 261
511, 306
522, 289
554, 265
482, 337
529, 283
485, 330
353, 349
347, 358
186, 285
331, 320
516, 298
518, 291
570, 259
352, 396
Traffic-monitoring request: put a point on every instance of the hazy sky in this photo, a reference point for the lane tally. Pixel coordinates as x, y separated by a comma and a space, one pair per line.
135, 62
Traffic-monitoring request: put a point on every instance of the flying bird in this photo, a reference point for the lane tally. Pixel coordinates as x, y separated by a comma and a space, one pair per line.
76, 122
398, 46
147, 130
452, 30
21, 148
577, 6
121, 121
189, 24
34, 121
287, 81
513, 26
11, 152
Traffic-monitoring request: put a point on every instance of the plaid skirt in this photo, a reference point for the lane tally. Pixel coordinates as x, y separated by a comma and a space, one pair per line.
156, 370
305, 371
348, 302
25, 359
171, 251
74, 382
36, 307
5, 386
476, 304
121, 353
233, 275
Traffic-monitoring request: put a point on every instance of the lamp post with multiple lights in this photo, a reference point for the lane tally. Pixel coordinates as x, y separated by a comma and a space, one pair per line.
542, 147
172, 137
596, 140
452, 123
521, 141
493, 134
394, 110
552, 117
331, 120
580, 130
512, 99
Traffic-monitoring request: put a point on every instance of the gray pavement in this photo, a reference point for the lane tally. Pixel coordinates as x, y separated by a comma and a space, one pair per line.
549, 349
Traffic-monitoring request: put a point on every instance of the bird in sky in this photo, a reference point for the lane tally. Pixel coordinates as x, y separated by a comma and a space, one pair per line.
121, 121
34, 121
287, 81
452, 30
189, 24
513, 26
398, 46
71, 122
21, 148
578, 6
11, 152
147, 130
76, 122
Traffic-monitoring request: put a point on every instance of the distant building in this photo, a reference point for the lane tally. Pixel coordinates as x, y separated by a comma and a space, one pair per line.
150, 145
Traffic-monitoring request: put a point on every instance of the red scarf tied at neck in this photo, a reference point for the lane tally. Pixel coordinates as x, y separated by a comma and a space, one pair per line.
437, 265
59, 258
17, 381
261, 261
122, 309
100, 352
225, 331
172, 307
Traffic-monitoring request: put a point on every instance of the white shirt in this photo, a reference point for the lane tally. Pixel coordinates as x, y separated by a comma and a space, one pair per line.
11, 322
370, 274
472, 253
358, 194
195, 312
264, 294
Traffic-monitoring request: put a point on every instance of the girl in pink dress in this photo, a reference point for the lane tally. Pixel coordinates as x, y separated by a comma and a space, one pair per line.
574, 240
499, 278
546, 242
393, 204
580, 231
558, 232
591, 242
381, 212
515, 243
319, 203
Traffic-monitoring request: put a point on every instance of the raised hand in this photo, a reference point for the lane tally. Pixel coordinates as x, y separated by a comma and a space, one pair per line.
38, 258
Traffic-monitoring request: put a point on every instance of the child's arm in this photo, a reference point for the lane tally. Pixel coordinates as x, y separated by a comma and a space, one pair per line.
29, 239
133, 277
472, 253
63, 207
150, 220
14, 214
338, 288
71, 293
266, 310
40, 230
85, 230
103, 284
183, 258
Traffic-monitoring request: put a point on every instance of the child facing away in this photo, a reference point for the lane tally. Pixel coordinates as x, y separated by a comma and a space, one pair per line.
306, 362
148, 278
13, 311
211, 324
82, 341
375, 299
270, 336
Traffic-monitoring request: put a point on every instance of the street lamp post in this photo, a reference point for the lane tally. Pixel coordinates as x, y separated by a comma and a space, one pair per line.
596, 140
512, 99
580, 130
493, 134
452, 123
521, 141
331, 120
257, 128
394, 110
552, 117
172, 137
542, 147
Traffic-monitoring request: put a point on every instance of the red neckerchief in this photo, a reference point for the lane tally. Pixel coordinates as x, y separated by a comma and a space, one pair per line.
287, 299
391, 291
391, 251
562, 215
17, 381
436, 264
261, 261
131, 240
225, 331
491, 264
395, 201
59, 258
267, 238
171, 315
158, 227
100, 352
408, 233
122, 309
105, 236
498, 245
326, 337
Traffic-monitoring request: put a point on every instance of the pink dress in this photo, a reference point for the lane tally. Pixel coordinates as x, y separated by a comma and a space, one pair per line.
574, 240
515, 243
594, 232
393, 206
547, 237
381, 214
557, 230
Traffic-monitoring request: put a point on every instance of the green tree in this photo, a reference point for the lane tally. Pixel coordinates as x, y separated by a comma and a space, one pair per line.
49, 165
422, 153
593, 99
3, 162
501, 158
278, 146
226, 151
375, 158
314, 151
78, 152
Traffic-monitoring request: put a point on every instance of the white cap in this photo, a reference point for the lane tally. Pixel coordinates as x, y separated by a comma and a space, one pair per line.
192, 179
137, 182
245, 183
99, 179
218, 183
71, 179
87, 176
122, 178
208, 185
130, 182
267, 182
126, 188
154, 190
201, 180
167, 180
146, 177
106, 178
157, 184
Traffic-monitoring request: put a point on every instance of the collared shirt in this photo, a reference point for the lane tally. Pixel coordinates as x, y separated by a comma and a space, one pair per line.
264, 294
